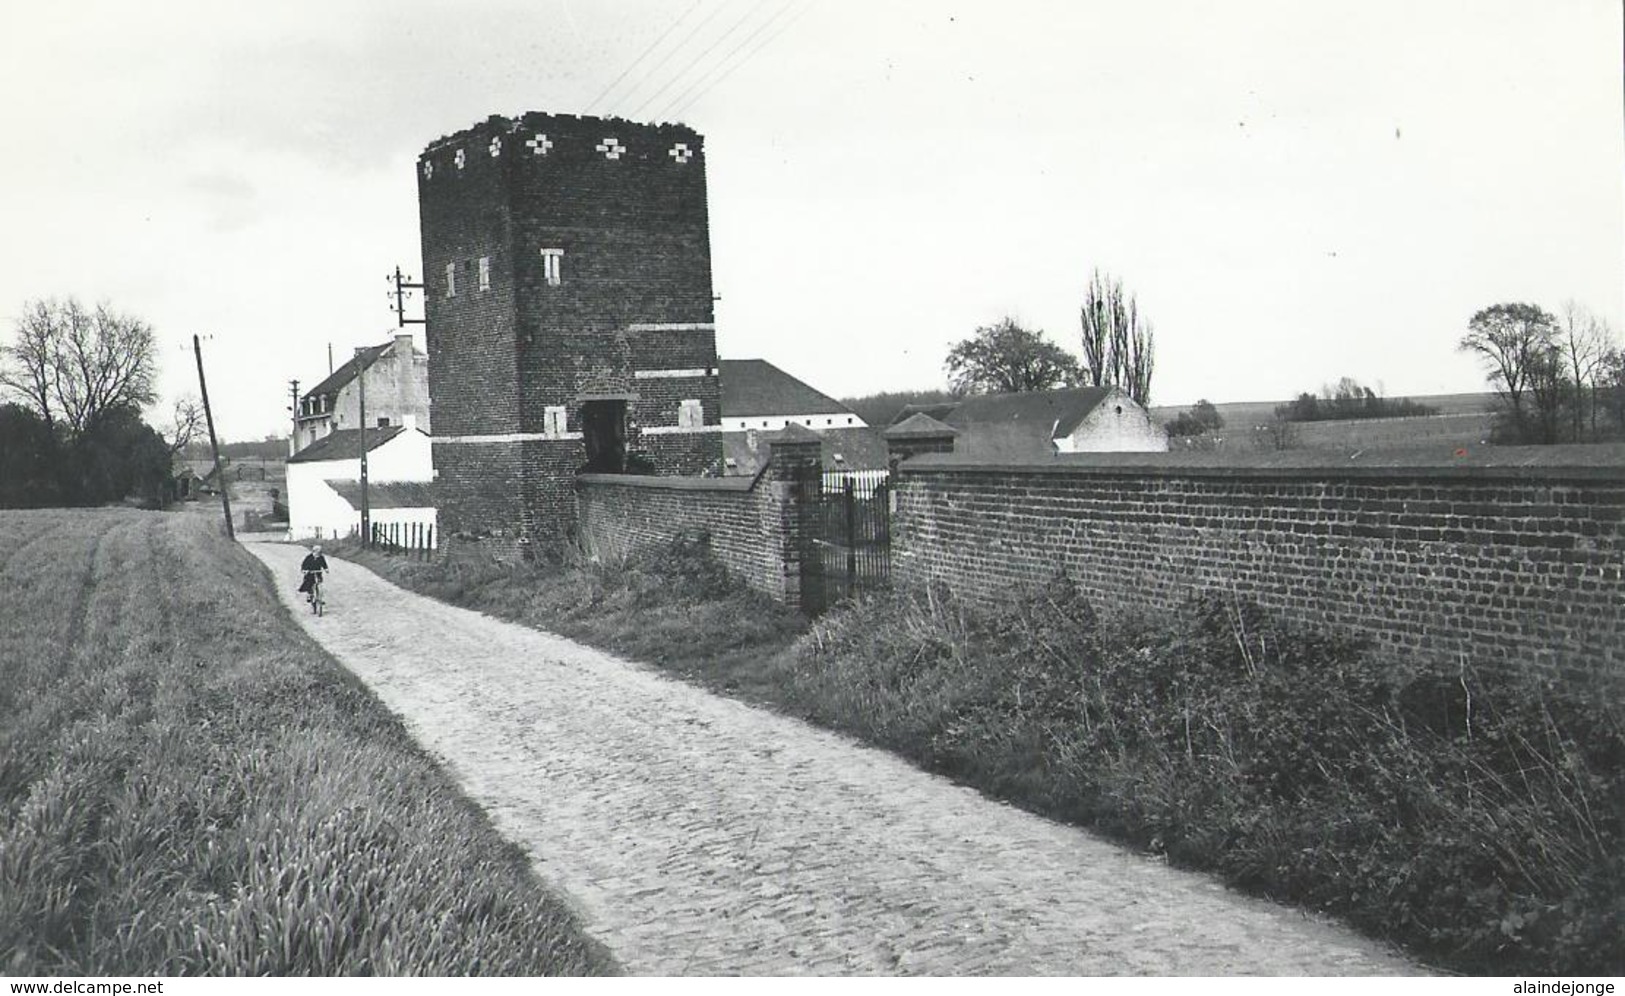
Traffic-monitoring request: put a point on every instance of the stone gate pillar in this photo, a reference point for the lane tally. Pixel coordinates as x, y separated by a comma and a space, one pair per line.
795, 478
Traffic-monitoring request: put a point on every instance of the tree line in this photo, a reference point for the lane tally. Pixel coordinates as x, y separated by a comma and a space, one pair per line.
1348, 399
1557, 378
73, 433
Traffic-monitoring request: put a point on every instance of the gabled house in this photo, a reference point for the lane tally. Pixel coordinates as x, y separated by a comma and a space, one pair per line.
760, 401
1043, 424
324, 490
397, 385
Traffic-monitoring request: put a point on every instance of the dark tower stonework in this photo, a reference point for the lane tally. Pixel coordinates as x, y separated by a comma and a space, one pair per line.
567, 272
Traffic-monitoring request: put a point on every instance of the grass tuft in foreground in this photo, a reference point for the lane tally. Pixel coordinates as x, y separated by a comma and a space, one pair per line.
1476, 818
188, 785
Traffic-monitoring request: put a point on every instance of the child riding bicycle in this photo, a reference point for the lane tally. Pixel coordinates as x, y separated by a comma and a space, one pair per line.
315, 566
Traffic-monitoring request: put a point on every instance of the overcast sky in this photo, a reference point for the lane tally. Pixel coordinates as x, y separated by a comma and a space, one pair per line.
1296, 191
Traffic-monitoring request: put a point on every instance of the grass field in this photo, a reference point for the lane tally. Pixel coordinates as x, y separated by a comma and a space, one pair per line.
188, 785
1463, 422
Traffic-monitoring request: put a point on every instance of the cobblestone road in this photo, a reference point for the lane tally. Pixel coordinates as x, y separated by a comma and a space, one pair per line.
697, 835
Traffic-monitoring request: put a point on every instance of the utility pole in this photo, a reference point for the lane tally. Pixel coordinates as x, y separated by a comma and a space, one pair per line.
293, 440
366, 510
208, 414
402, 285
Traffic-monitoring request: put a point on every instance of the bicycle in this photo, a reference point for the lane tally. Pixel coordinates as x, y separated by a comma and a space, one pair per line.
318, 603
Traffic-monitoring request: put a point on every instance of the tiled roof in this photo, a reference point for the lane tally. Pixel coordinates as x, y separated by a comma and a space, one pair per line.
346, 443
920, 424
387, 494
756, 387
348, 369
1012, 426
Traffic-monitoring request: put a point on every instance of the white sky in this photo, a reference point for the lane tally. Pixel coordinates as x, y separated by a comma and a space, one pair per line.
1296, 191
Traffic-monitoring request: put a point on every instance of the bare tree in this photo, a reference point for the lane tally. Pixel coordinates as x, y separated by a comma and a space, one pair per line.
1583, 339
1518, 344
1118, 346
1007, 357
186, 423
70, 364
28, 366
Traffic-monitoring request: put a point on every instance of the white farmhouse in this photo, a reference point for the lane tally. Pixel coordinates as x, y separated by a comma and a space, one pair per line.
397, 385
324, 481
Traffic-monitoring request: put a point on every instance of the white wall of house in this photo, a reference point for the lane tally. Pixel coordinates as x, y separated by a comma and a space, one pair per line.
397, 386
311, 428
770, 423
1117, 425
316, 511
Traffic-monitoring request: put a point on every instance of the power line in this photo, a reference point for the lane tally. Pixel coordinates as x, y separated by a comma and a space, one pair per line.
679, 46
641, 56
749, 55
707, 78
749, 13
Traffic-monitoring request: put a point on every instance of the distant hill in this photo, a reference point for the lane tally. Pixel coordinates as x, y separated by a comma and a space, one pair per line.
1238, 413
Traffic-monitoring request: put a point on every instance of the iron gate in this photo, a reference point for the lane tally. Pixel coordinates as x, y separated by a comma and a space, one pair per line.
848, 540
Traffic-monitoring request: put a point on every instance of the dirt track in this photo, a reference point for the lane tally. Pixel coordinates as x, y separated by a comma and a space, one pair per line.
697, 835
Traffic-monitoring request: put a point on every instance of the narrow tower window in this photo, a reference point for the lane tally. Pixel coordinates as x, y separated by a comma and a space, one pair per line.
551, 269
689, 414
553, 420
451, 279
485, 273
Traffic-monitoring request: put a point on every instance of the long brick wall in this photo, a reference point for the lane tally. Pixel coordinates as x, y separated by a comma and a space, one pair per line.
1488, 564
754, 525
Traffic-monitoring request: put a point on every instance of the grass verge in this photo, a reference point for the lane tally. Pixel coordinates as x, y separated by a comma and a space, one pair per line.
1476, 819
190, 786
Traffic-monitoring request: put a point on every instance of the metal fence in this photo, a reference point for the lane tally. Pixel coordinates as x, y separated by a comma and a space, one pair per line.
849, 546
864, 482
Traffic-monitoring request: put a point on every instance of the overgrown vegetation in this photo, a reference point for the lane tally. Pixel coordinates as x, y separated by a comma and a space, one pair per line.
1348, 399
190, 786
1476, 818
115, 457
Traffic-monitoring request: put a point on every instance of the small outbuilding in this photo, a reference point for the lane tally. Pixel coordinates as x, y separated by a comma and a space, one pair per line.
1043, 424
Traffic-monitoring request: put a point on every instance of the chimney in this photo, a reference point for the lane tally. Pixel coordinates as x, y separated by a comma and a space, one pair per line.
403, 345
409, 422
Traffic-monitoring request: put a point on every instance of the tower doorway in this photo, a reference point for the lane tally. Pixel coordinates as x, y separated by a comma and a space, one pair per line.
603, 427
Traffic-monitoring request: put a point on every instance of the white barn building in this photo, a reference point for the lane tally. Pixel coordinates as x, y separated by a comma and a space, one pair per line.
324, 481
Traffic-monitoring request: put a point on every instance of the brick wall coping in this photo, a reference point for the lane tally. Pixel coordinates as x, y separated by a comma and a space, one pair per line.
945, 464
674, 483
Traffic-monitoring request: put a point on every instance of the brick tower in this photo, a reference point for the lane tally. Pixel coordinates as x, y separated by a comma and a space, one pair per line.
567, 272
